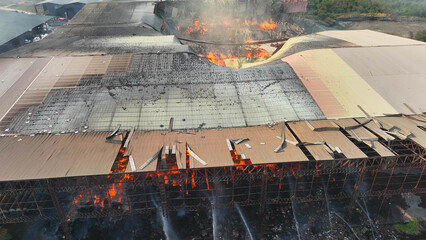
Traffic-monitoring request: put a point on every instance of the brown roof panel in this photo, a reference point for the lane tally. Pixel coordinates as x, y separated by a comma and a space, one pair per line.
143, 146
305, 134
49, 156
418, 135
362, 132
9, 97
370, 38
337, 139
263, 141
211, 146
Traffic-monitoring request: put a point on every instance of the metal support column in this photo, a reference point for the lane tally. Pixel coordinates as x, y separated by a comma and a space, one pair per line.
262, 201
163, 196
357, 190
59, 211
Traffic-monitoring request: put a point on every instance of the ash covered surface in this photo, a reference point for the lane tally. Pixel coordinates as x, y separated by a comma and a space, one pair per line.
157, 87
103, 28
77, 40
162, 80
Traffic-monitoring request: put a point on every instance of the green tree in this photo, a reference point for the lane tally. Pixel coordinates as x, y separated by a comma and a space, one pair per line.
333, 8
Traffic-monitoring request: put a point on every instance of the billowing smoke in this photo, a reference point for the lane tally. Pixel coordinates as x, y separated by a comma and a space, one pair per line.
41, 230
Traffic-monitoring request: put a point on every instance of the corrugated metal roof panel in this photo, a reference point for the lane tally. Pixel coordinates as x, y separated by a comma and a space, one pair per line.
362, 133
305, 134
397, 73
145, 91
211, 146
418, 135
370, 38
50, 156
263, 141
336, 139
336, 87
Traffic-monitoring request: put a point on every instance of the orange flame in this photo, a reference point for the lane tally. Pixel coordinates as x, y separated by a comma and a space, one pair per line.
193, 179
111, 191
197, 30
265, 26
218, 60
97, 200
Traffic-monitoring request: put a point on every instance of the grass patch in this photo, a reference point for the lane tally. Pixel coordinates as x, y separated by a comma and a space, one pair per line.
411, 228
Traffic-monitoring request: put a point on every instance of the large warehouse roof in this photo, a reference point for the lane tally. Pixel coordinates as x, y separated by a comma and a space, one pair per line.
146, 90
13, 24
379, 79
80, 154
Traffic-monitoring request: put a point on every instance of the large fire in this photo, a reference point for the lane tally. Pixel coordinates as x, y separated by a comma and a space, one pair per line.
236, 32
250, 55
198, 29
266, 26
114, 195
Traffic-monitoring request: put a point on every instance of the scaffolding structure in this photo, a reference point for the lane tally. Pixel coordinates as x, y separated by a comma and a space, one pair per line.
120, 194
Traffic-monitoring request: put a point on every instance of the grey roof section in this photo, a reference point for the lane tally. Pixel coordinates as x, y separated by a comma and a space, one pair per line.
157, 87
107, 13
13, 24
103, 28
64, 2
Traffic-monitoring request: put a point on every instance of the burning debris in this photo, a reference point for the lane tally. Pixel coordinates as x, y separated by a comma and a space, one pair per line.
233, 33
226, 39
234, 54
247, 54
234, 29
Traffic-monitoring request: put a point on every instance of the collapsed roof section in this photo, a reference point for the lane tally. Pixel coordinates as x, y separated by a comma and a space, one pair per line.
81, 154
159, 81
95, 93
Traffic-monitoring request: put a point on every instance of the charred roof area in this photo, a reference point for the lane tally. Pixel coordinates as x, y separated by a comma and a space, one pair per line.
146, 90
235, 33
113, 64
104, 28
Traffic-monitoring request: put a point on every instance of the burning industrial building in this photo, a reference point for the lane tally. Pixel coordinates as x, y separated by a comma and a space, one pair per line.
126, 123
